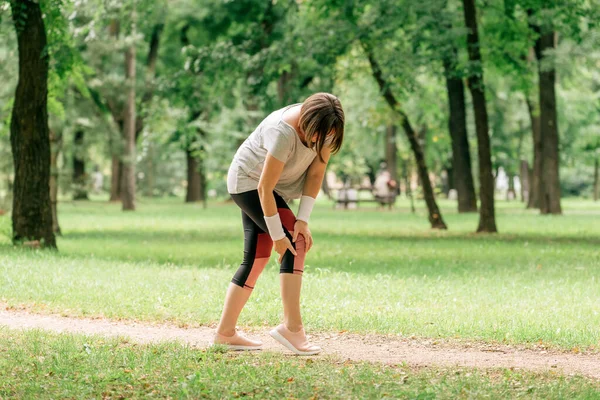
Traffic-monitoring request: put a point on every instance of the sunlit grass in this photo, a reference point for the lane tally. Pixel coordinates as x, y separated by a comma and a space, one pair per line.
370, 271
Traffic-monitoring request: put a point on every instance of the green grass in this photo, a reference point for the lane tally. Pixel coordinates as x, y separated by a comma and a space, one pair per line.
40, 365
370, 271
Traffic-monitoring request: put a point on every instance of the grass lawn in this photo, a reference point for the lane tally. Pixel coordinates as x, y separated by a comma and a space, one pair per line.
45, 366
369, 271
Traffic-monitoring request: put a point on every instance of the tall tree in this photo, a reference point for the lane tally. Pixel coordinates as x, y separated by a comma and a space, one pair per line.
129, 158
457, 125
435, 216
535, 181
116, 144
549, 177
487, 217
29, 132
118, 111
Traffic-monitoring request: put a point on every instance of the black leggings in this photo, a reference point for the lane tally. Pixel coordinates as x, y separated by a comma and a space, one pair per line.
258, 243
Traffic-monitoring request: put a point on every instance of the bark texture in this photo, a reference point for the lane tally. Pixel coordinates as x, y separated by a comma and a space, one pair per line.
461, 154
487, 214
29, 132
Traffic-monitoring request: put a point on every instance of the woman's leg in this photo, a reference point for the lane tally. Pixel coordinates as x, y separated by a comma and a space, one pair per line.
291, 268
235, 300
291, 333
257, 251
290, 276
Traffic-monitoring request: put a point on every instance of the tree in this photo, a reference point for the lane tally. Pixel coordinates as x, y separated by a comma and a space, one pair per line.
79, 175
391, 151
55, 146
435, 22
435, 216
129, 158
487, 218
29, 132
549, 178
536, 173
457, 126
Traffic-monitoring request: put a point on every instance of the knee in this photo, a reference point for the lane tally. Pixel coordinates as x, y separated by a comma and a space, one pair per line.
300, 245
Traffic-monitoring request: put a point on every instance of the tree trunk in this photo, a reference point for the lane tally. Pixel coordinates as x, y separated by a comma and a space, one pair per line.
435, 216
596, 180
550, 182
115, 179
128, 175
193, 179
391, 151
535, 184
79, 176
524, 177
447, 178
151, 60
150, 171
29, 133
55, 147
283, 89
461, 154
116, 165
487, 217
408, 189
511, 188
203, 183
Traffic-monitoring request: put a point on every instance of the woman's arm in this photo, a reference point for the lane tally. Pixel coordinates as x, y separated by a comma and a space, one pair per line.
268, 179
315, 174
312, 185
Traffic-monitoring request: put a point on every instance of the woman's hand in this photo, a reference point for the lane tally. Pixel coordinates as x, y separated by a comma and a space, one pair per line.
283, 245
301, 228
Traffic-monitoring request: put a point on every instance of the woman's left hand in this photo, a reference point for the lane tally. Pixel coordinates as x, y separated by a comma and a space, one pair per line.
301, 228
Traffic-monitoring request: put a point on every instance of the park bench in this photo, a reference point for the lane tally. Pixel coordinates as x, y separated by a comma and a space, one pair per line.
351, 196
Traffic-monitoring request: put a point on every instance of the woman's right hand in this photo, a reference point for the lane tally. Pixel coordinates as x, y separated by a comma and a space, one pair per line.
283, 245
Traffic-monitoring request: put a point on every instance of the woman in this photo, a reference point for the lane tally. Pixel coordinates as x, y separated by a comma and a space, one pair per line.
284, 158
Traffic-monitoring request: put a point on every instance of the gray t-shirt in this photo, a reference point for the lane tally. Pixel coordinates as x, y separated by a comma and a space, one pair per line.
277, 137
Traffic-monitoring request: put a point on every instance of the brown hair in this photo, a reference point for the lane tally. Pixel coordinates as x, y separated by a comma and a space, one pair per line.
322, 116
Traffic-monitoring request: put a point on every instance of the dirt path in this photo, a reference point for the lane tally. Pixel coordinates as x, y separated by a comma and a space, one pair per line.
373, 348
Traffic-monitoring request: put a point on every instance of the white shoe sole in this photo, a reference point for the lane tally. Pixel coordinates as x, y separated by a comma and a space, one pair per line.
236, 347
277, 336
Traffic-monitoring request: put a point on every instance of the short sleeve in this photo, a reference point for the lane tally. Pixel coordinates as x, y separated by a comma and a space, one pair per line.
277, 143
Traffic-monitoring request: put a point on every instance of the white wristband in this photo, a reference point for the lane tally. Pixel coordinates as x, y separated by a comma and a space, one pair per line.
306, 205
275, 227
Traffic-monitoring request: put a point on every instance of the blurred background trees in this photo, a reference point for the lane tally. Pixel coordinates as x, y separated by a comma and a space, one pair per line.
152, 98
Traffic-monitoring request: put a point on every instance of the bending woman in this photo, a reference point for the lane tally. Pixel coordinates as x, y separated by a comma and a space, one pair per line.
284, 158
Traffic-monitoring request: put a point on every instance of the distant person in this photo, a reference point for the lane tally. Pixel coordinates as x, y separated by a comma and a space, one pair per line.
385, 188
97, 180
283, 159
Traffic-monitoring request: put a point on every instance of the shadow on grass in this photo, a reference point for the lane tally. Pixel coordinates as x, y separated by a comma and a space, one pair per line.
362, 236
462, 237
139, 237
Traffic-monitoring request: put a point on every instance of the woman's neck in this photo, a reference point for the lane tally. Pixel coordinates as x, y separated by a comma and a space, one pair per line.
292, 117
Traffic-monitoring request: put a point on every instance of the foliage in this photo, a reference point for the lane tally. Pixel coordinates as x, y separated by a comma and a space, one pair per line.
222, 66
